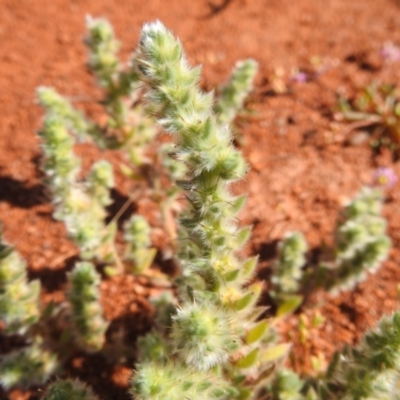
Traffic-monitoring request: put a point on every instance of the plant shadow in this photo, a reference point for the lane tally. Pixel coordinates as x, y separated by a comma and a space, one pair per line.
16, 192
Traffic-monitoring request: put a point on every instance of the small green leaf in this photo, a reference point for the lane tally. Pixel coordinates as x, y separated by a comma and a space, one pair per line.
249, 360
274, 353
317, 320
243, 236
231, 276
144, 259
290, 304
126, 171
111, 271
257, 332
239, 379
245, 393
249, 267
250, 298
203, 386
238, 203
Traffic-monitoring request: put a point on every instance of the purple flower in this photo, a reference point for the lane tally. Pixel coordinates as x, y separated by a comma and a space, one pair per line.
390, 51
300, 77
384, 177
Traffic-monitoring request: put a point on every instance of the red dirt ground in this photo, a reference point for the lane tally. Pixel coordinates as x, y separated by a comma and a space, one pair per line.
303, 164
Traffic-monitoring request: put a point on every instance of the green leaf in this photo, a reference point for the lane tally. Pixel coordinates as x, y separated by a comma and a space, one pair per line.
249, 298
231, 276
245, 393
290, 304
257, 332
127, 171
274, 353
111, 271
249, 267
249, 360
144, 259
243, 236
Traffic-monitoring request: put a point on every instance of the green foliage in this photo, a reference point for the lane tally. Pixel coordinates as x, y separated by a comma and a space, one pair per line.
171, 381
214, 345
217, 312
375, 105
212, 319
19, 299
362, 243
287, 385
202, 335
287, 270
128, 121
32, 365
69, 389
103, 49
370, 370
138, 241
361, 246
86, 310
63, 113
233, 95
80, 205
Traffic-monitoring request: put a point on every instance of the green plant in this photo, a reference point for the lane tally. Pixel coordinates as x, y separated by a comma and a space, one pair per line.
369, 370
214, 334
233, 95
68, 390
287, 270
361, 242
361, 245
128, 124
19, 299
376, 104
137, 239
80, 205
31, 365
86, 312
80, 202
215, 343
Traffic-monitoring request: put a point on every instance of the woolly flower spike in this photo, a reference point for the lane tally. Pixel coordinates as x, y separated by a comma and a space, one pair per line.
217, 313
371, 370
69, 389
32, 365
174, 381
60, 164
127, 124
86, 311
361, 239
287, 271
61, 109
206, 150
100, 181
19, 300
234, 94
137, 238
103, 47
202, 336
79, 205
287, 385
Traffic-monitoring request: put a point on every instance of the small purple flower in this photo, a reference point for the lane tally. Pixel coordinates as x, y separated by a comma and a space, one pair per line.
300, 77
384, 177
390, 51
